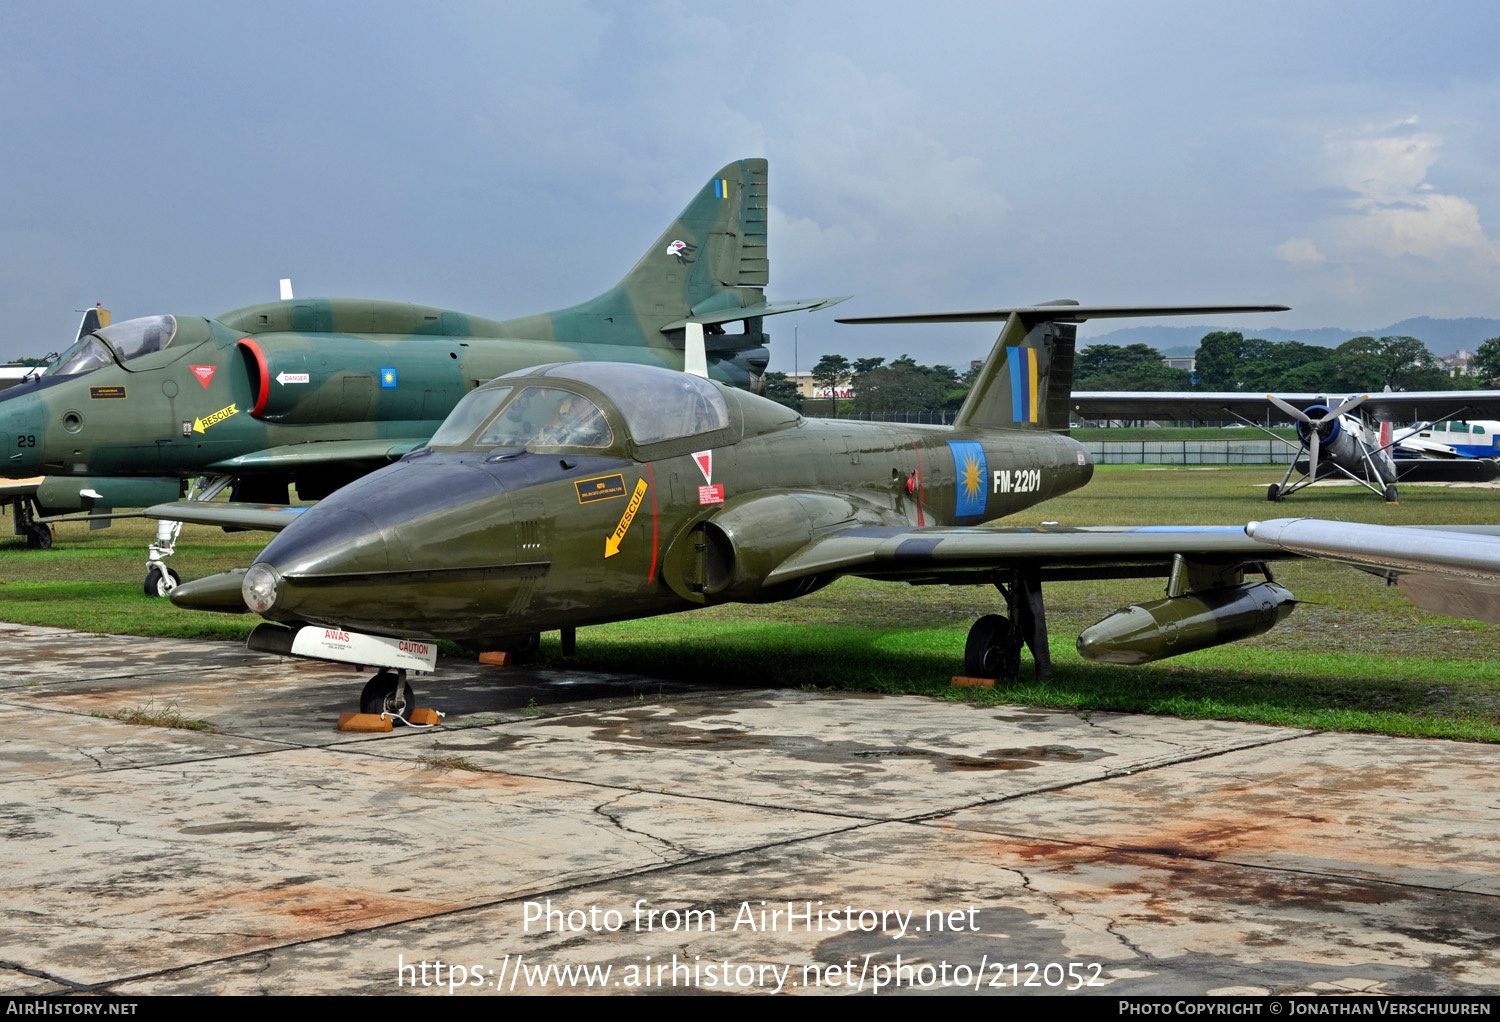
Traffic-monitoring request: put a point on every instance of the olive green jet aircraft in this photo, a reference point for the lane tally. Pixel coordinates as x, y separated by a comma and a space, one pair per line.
567, 495
318, 392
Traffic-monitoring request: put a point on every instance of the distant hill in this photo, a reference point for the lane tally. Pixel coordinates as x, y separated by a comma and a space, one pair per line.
1442, 336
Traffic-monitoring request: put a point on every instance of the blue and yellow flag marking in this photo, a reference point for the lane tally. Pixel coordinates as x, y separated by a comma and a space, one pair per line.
387, 377
721, 188
1023, 383
972, 471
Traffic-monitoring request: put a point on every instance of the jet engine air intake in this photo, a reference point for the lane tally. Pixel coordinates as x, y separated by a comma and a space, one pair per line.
727, 556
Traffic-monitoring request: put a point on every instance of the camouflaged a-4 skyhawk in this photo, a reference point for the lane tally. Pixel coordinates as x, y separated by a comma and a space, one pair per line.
575, 494
317, 392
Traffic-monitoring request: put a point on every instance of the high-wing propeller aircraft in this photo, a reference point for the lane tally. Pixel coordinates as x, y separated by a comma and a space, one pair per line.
316, 392
1349, 436
574, 494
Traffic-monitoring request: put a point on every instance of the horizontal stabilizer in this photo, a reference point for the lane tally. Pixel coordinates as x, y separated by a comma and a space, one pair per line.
756, 311
1065, 312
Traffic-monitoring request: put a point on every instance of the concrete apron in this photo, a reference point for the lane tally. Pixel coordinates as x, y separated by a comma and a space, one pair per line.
706, 839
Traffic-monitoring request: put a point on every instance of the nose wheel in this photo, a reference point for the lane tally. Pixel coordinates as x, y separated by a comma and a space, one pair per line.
388, 692
38, 535
161, 580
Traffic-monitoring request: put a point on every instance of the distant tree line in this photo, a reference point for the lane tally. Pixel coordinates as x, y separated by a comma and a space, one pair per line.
1225, 360
880, 387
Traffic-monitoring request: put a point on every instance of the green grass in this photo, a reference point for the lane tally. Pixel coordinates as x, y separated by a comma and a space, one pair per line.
149, 716
1354, 656
445, 763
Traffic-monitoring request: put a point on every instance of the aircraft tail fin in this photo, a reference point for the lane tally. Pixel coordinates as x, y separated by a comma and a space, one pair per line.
709, 262
93, 319
717, 243
1027, 381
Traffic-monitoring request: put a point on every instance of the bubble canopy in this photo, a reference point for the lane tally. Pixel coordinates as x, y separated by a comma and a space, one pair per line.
650, 403
120, 342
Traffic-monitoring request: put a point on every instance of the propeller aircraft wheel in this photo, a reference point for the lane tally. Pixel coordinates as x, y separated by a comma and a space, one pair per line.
992, 650
39, 537
1273, 493
161, 581
1390, 494
379, 695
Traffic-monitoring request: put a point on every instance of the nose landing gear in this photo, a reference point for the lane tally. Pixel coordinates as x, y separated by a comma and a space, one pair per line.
38, 535
388, 692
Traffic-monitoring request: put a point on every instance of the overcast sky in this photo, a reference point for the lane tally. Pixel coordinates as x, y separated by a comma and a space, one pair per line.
509, 158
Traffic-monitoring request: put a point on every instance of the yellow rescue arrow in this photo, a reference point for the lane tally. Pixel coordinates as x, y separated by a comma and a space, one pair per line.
612, 544
200, 425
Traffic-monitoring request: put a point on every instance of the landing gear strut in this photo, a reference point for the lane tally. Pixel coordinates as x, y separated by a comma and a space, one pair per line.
994, 646
38, 536
160, 579
388, 692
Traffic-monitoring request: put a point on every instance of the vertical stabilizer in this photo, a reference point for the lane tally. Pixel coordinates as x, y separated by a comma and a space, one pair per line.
711, 259
1027, 379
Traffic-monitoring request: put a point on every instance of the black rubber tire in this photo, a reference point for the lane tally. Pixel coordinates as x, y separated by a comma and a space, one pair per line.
1390, 494
379, 695
991, 650
1273, 492
158, 584
525, 651
39, 537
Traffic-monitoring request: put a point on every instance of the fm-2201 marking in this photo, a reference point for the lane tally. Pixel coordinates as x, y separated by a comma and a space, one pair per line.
1018, 480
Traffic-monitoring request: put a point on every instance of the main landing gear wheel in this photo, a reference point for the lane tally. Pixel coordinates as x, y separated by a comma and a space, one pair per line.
38, 537
1390, 494
1273, 493
161, 581
993, 650
387, 692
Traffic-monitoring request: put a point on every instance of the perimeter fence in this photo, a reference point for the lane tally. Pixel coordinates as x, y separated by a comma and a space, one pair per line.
1189, 452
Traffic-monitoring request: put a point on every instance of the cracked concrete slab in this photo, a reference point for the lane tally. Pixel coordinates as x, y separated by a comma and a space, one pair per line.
206, 858
1132, 925
40, 744
1421, 812
877, 757
1148, 855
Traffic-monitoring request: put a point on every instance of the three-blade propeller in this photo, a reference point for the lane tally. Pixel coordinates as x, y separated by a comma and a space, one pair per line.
1315, 426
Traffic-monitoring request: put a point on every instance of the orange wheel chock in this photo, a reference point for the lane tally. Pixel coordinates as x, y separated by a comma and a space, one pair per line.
372, 722
963, 682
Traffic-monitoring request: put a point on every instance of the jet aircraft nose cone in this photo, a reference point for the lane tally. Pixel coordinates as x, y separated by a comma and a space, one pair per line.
329, 540
21, 434
351, 557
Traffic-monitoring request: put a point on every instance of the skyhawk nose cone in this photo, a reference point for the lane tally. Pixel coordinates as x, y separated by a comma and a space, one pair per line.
21, 434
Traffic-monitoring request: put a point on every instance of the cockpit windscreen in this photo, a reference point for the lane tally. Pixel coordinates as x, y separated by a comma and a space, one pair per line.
546, 416
658, 404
